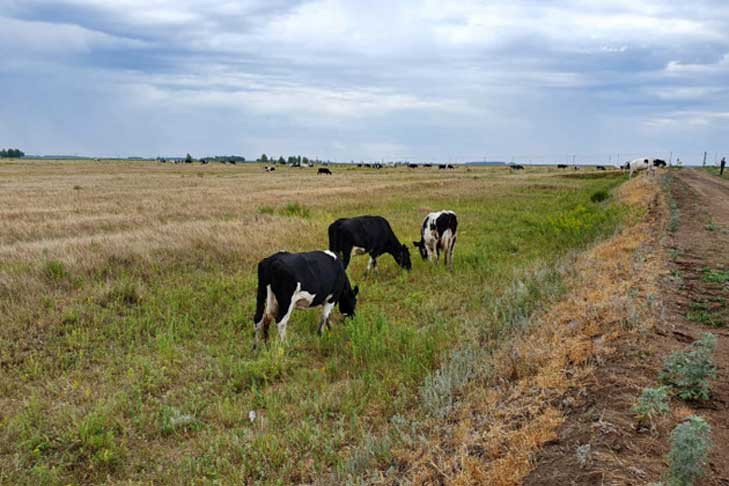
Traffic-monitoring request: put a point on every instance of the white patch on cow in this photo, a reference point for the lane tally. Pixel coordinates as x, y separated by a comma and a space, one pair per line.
297, 295
331, 254
358, 250
301, 298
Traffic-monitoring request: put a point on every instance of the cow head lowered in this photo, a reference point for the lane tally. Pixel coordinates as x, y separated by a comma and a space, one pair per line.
402, 257
420, 245
348, 301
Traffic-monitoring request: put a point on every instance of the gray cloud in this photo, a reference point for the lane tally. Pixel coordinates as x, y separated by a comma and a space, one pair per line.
349, 80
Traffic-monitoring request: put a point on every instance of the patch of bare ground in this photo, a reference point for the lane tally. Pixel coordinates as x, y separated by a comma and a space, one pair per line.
564, 365
600, 441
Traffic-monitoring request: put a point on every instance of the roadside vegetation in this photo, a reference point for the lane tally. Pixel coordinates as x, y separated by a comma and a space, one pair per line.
126, 344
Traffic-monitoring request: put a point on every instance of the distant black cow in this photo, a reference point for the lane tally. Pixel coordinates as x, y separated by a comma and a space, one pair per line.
442, 166
413, 166
231, 161
437, 233
450, 166
288, 281
367, 234
600, 167
659, 163
561, 166
368, 166
203, 161
427, 165
360, 165
323, 170
378, 166
517, 167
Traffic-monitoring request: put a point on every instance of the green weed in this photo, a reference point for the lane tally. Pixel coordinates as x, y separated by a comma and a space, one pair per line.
690, 444
689, 371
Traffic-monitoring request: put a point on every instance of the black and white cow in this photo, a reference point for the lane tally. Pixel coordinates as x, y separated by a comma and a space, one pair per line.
438, 233
269, 168
659, 163
288, 281
639, 165
367, 234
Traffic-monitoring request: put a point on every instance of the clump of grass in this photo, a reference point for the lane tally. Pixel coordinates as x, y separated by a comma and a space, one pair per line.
652, 403
599, 196
126, 292
98, 442
701, 312
689, 371
266, 210
711, 227
690, 444
55, 270
296, 210
716, 276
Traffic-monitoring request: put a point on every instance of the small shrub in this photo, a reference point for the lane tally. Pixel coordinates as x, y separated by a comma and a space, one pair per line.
55, 270
76, 188
438, 392
652, 402
690, 443
171, 420
689, 371
711, 227
599, 196
701, 312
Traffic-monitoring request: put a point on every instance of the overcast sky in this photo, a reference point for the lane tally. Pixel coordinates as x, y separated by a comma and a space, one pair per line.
369, 79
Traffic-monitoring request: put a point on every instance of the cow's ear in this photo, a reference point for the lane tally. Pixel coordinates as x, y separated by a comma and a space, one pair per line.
355, 290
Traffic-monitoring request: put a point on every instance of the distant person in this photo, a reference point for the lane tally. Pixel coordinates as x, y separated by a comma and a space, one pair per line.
722, 165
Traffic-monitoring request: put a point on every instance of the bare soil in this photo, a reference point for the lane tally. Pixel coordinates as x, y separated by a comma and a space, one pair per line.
600, 442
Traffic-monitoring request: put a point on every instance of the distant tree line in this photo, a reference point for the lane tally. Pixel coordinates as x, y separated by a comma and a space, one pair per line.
11, 154
292, 160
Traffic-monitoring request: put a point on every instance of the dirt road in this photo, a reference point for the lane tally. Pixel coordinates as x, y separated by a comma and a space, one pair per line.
600, 442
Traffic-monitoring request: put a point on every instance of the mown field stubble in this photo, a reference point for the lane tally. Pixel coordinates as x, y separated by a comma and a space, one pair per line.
127, 291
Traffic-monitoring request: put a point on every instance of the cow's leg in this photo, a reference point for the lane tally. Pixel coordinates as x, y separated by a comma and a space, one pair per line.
450, 252
346, 255
328, 306
437, 251
371, 265
286, 304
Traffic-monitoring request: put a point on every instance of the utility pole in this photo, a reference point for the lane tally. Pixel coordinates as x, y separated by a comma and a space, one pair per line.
704, 159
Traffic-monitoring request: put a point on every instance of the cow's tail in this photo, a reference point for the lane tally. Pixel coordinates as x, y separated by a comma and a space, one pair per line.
262, 294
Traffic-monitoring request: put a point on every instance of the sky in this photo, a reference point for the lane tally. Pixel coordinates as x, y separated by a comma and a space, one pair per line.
366, 80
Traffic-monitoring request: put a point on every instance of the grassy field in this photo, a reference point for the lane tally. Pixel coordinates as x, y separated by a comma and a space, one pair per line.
127, 292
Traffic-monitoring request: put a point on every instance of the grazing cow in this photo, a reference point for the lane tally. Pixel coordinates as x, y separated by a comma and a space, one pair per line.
203, 161
323, 170
427, 165
438, 233
561, 166
269, 168
231, 161
659, 163
367, 234
288, 281
413, 166
600, 167
450, 166
360, 165
378, 166
638, 165
442, 166
517, 167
